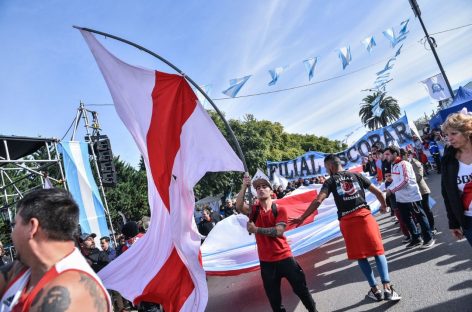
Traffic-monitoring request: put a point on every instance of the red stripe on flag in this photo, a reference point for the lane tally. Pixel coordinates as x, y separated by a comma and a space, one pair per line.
173, 102
171, 286
295, 205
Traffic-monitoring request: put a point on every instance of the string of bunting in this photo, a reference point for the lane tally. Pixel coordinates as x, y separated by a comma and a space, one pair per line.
345, 56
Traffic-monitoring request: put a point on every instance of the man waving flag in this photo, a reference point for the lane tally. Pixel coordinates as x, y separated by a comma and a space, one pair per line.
179, 143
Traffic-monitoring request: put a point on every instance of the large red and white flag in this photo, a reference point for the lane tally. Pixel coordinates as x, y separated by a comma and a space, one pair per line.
179, 143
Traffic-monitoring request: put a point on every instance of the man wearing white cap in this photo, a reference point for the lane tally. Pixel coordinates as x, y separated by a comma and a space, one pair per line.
267, 222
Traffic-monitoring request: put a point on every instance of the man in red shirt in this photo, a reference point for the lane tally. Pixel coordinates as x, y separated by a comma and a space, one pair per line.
267, 222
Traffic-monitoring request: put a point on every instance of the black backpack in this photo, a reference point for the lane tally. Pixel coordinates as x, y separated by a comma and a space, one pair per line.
258, 209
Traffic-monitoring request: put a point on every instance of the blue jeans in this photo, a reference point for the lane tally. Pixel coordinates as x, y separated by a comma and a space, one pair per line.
382, 267
467, 229
415, 208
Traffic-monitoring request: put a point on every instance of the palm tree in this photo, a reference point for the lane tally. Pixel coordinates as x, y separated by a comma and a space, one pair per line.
389, 108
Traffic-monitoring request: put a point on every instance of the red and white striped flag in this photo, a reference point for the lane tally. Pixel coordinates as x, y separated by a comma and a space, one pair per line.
179, 143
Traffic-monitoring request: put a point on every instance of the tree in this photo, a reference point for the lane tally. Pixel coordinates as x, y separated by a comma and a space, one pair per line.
129, 196
390, 113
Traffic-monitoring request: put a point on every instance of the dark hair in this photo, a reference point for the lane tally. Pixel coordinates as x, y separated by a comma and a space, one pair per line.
106, 238
333, 159
55, 209
208, 210
393, 149
130, 229
402, 152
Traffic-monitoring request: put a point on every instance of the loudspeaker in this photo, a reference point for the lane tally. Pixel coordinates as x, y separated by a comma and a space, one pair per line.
102, 150
109, 179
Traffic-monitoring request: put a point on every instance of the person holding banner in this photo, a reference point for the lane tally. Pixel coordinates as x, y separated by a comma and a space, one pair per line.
360, 230
267, 222
456, 174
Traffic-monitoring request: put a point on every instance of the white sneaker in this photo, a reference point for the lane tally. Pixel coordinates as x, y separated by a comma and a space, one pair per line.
391, 295
428, 244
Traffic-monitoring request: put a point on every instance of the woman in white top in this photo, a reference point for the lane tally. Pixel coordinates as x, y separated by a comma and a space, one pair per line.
456, 175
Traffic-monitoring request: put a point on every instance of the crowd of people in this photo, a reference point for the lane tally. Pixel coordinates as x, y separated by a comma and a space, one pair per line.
55, 266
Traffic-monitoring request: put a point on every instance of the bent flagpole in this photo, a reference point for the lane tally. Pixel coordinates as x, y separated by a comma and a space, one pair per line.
190, 80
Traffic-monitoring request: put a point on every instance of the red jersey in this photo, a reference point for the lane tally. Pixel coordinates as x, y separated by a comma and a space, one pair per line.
271, 249
16, 299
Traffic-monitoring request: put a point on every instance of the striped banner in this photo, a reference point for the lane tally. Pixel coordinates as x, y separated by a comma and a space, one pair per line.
83, 188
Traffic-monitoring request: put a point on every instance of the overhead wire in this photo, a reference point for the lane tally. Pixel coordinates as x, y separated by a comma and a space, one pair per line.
307, 84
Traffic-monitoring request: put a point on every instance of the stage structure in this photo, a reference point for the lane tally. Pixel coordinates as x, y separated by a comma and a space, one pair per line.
27, 163
101, 156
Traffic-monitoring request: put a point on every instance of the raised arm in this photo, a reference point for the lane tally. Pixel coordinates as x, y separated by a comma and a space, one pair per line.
241, 206
311, 208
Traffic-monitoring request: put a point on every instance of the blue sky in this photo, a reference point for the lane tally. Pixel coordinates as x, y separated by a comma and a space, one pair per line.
47, 69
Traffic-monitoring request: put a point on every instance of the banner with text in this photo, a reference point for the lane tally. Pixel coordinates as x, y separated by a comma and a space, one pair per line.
311, 163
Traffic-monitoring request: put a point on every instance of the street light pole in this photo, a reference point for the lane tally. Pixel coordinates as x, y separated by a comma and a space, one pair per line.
416, 9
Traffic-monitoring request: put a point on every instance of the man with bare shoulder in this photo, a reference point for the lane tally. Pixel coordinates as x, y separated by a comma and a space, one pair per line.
50, 274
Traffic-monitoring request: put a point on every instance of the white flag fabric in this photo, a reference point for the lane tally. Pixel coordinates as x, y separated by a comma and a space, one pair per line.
437, 87
258, 175
179, 143
280, 180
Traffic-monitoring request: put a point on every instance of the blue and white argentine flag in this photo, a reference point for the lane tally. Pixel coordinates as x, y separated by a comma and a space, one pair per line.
83, 188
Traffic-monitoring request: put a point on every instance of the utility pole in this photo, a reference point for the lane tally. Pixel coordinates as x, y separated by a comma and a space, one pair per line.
416, 9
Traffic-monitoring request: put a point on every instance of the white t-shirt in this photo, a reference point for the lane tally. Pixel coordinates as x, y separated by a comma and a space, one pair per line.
464, 183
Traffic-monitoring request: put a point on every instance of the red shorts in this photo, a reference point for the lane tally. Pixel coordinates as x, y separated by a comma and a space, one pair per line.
361, 234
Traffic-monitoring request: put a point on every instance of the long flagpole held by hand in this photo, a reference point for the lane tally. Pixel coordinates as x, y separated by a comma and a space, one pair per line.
190, 80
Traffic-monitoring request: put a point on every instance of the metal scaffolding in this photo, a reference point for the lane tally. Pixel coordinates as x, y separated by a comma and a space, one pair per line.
27, 163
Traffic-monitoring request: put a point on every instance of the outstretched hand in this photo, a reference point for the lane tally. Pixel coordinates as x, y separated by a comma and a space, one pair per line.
297, 221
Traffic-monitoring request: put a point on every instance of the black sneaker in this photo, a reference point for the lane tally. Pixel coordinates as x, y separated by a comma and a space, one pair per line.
391, 295
428, 244
406, 239
376, 296
414, 243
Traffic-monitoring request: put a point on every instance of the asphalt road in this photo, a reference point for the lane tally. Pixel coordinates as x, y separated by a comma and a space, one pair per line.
436, 279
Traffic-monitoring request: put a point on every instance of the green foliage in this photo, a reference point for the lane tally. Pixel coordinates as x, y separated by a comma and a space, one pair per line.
391, 111
5, 230
129, 196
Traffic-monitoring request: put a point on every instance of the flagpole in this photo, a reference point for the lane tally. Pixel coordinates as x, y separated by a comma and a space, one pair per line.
416, 9
228, 128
